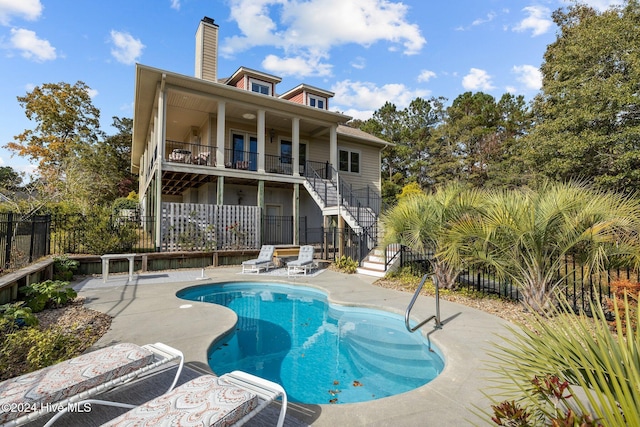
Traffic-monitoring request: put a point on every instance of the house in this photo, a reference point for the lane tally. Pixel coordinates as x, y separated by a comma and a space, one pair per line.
236, 142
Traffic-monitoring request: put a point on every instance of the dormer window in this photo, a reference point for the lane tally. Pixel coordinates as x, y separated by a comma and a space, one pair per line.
260, 86
316, 102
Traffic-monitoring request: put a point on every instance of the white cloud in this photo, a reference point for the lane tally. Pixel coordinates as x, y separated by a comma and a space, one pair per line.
296, 66
538, 20
32, 47
359, 99
92, 93
359, 63
490, 17
27, 9
426, 75
529, 75
477, 80
313, 27
175, 4
126, 48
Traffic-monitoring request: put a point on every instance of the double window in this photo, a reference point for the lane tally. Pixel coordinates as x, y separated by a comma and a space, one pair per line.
349, 161
286, 152
260, 87
317, 102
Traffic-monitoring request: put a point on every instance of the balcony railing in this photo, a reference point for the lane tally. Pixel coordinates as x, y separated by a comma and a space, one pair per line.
184, 152
196, 154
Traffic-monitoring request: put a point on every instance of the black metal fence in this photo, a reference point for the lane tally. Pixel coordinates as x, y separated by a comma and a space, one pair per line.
22, 239
578, 286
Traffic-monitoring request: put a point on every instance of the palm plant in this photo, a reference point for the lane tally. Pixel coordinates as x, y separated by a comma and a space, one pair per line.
572, 371
421, 222
526, 236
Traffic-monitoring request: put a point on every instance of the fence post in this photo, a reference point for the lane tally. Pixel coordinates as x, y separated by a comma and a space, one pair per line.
7, 257
32, 240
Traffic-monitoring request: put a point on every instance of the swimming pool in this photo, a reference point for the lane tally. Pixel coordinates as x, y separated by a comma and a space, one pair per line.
318, 351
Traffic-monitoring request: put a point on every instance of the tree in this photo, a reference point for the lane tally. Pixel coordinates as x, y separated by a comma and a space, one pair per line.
10, 180
587, 115
66, 121
421, 222
527, 235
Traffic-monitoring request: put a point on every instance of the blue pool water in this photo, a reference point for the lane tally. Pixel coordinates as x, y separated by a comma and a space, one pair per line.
319, 352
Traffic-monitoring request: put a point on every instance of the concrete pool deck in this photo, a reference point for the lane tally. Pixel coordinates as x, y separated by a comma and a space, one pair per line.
147, 310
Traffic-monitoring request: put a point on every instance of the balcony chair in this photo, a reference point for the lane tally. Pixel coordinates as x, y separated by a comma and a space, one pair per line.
264, 261
304, 263
61, 387
202, 158
231, 399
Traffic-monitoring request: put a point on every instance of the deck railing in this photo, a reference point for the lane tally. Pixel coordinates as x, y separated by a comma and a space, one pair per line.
183, 152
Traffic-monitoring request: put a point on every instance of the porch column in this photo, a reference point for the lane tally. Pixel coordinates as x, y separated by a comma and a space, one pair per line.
296, 213
262, 207
161, 135
220, 131
333, 146
295, 133
261, 124
220, 191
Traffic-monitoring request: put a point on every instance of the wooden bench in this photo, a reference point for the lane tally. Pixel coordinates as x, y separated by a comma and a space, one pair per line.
285, 254
108, 257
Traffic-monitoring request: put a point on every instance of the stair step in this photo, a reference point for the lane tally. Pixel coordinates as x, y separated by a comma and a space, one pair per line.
372, 273
373, 265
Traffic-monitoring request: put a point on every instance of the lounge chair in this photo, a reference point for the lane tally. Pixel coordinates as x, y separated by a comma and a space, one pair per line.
231, 399
304, 263
61, 387
264, 261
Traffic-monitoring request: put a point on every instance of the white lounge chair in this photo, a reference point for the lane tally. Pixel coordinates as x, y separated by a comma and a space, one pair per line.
264, 260
61, 387
231, 399
304, 263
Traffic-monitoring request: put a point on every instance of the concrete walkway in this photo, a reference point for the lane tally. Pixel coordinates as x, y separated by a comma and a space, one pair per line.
146, 310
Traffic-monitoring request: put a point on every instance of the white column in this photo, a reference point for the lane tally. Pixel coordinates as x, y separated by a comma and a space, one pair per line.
295, 133
261, 137
220, 133
333, 146
161, 133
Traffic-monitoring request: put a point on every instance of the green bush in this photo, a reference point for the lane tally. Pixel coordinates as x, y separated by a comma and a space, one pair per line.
123, 203
104, 235
347, 264
63, 267
17, 315
30, 349
50, 293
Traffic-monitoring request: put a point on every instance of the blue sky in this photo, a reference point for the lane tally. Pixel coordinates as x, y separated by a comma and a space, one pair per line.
365, 51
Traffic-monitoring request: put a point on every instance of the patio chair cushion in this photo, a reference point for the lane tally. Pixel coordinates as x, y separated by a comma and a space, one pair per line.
203, 401
65, 379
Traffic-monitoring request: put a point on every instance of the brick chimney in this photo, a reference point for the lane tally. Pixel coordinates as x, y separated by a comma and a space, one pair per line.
207, 50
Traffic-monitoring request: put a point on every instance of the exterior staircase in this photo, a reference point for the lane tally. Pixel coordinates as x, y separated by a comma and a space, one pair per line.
335, 197
377, 264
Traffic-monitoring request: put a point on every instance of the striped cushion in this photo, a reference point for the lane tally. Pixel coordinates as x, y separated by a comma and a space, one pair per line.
203, 401
65, 379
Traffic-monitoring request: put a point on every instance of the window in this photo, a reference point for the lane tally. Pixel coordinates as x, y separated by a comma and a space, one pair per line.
260, 87
349, 161
317, 102
286, 152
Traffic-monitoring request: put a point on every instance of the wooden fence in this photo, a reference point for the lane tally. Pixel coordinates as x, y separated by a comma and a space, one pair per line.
193, 226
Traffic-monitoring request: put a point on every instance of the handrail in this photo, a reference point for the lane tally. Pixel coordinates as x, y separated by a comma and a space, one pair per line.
387, 260
413, 301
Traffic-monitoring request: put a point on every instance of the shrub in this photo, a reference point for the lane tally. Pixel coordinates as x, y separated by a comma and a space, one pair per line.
104, 235
347, 264
52, 293
17, 315
624, 290
30, 349
63, 267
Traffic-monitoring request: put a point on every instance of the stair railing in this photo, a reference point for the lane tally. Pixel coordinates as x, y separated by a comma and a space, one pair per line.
396, 250
413, 301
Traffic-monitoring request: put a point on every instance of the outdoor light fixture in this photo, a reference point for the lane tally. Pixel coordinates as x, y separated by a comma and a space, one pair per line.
249, 116
272, 133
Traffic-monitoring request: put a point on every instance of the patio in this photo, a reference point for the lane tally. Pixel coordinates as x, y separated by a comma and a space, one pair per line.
147, 310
